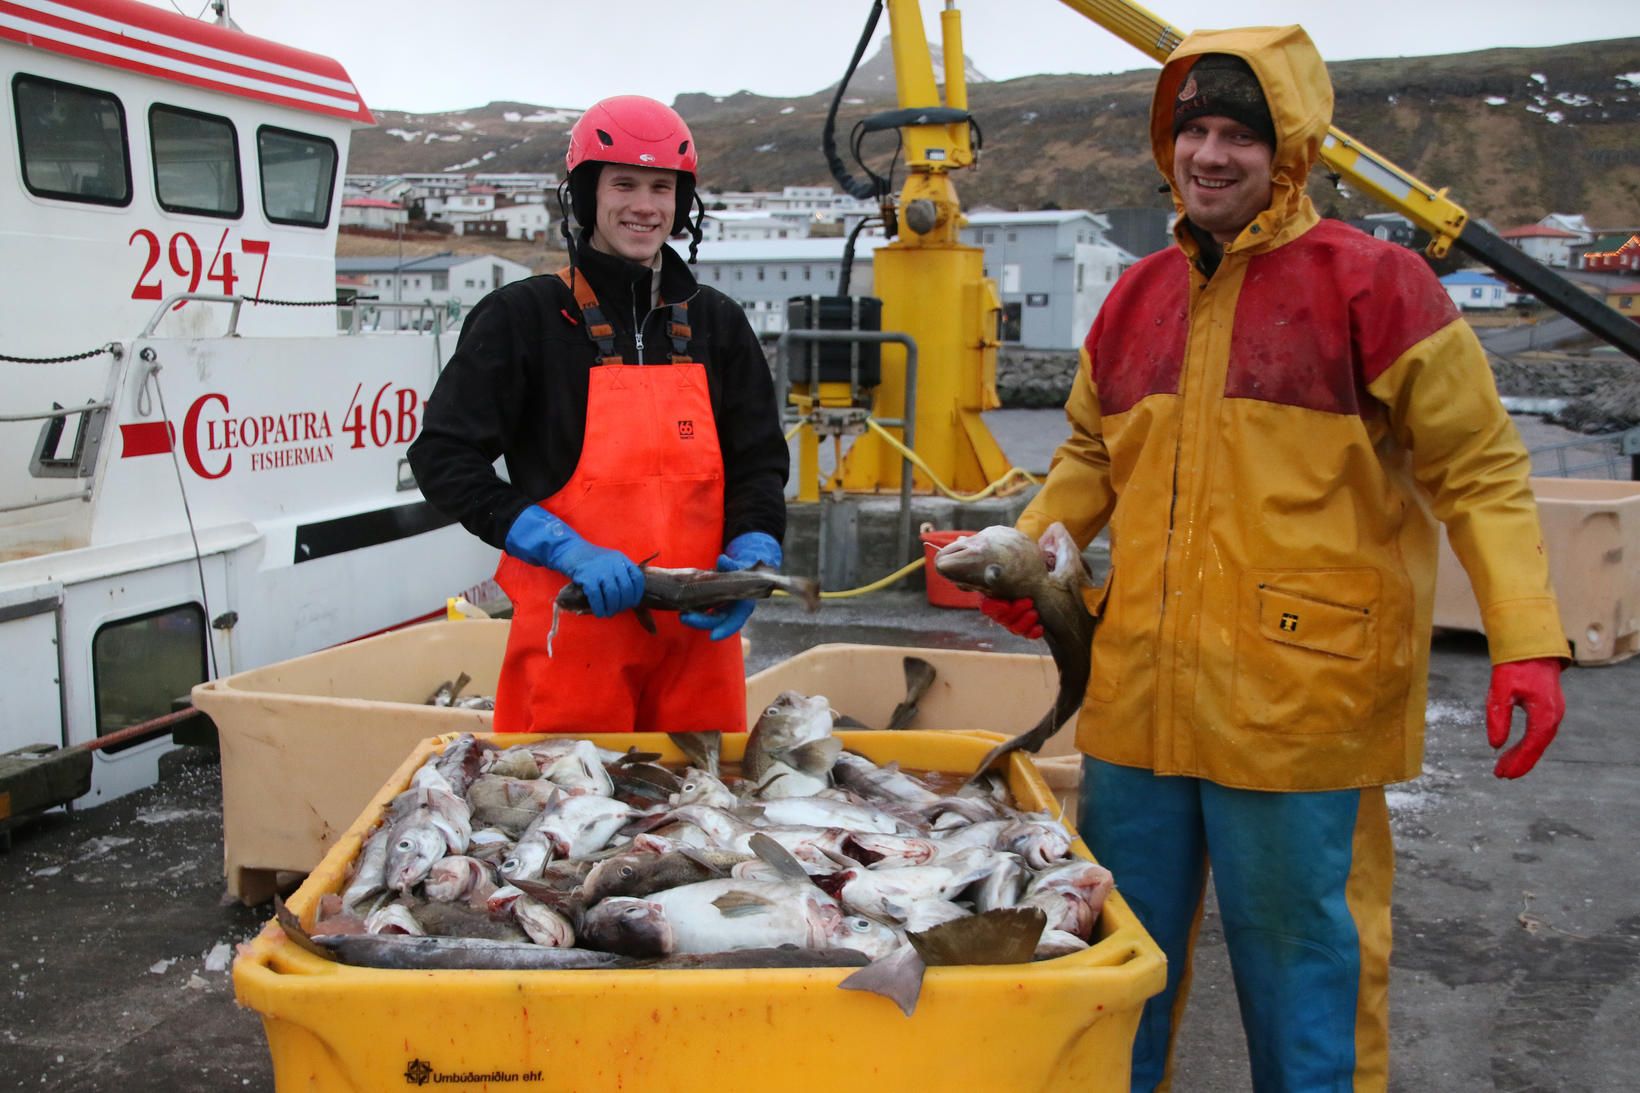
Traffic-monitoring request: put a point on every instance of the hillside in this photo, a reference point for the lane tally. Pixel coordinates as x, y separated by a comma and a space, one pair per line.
1514, 133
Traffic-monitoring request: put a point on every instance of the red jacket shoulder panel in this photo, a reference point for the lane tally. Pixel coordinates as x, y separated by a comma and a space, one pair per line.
1136, 345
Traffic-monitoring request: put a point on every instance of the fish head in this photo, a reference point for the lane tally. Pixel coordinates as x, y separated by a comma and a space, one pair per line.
526, 859
791, 719
617, 876
867, 935
414, 849
700, 788
633, 927
999, 561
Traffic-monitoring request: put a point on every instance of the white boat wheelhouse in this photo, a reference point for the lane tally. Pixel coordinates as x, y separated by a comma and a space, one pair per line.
201, 470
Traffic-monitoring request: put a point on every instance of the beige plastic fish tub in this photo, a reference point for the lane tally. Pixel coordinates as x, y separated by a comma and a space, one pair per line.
1063, 1024
306, 742
1591, 534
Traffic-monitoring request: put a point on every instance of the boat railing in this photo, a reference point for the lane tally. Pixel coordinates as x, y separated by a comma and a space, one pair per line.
431, 317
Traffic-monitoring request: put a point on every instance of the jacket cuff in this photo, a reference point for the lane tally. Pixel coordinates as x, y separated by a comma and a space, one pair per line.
1524, 630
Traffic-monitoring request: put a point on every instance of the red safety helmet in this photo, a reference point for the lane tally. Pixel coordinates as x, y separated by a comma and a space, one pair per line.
636, 131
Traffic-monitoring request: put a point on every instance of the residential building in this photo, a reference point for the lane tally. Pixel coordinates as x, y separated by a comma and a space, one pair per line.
1550, 246
1390, 227
527, 220
1473, 290
439, 280
751, 224
1570, 222
1609, 253
1624, 297
762, 274
519, 185
1139, 230
1053, 270
372, 214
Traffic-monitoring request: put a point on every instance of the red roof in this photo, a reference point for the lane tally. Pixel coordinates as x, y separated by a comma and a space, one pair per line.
142, 38
1537, 231
1622, 288
370, 203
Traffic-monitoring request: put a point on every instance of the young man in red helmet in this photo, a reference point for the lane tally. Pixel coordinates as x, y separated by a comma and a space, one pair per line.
1270, 417
635, 411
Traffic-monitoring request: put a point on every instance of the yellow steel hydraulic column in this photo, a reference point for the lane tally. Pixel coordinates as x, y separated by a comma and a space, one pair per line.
933, 287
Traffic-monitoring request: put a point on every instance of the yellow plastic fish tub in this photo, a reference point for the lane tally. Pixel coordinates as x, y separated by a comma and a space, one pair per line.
1064, 1024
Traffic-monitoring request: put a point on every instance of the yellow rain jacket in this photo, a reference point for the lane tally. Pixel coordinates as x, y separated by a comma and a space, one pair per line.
1271, 447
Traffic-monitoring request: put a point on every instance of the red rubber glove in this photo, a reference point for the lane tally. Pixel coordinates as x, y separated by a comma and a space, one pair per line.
1534, 686
1016, 616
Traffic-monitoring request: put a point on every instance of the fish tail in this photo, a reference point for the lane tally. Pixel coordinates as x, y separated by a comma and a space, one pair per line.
552, 632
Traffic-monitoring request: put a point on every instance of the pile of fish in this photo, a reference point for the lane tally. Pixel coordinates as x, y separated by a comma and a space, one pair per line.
449, 693
559, 854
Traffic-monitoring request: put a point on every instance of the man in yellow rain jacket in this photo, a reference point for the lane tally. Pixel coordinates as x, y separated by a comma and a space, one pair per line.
1271, 416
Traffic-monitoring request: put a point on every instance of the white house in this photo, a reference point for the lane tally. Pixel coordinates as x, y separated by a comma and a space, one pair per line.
1053, 270
523, 220
762, 274
1550, 246
751, 224
438, 280
372, 213
1474, 290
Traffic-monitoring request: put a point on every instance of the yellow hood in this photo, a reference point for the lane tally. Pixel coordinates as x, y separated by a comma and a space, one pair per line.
1296, 87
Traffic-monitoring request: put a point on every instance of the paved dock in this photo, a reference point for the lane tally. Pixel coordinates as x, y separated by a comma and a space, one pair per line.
1517, 923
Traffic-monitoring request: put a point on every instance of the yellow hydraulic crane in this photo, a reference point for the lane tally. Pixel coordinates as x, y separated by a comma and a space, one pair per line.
934, 289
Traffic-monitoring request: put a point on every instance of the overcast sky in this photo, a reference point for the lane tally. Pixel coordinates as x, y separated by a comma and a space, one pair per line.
434, 55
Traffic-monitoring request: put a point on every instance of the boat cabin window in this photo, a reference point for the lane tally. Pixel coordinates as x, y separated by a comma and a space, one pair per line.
71, 141
196, 162
298, 174
140, 665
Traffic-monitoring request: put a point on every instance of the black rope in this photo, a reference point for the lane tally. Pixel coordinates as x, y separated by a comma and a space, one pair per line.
303, 303
57, 360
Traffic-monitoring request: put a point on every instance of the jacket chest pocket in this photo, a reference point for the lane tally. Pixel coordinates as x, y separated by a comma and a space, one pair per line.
1307, 650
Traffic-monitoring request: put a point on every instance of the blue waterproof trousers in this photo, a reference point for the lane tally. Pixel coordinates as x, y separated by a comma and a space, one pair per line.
1303, 884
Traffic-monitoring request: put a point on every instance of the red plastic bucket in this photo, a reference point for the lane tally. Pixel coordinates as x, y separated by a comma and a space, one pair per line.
941, 592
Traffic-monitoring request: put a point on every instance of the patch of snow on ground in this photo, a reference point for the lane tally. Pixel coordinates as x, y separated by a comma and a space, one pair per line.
553, 117
787, 109
159, 967
404, 134
1449, 713
1495, 100
488, 155
431, 137
1630, 78
466, 125
767, 147
48, 871
462, 166
1541, 78
1571, 99
167, 815
102, 844
1555, 116
512, 115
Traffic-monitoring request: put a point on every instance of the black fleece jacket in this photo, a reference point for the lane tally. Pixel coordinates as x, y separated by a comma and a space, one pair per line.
517, 383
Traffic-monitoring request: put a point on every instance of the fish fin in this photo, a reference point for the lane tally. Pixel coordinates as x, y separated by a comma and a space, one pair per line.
552, 631
633, 755
700, 859
806, 589
1003, 936
741, 904
1030, 740
844, 721
815, 758
778, 856
897, 977
649, 559
292, 926
462, 680
645, 618
919, 676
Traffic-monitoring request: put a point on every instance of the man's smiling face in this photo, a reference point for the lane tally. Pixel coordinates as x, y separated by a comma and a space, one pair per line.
1221, 169
635, 207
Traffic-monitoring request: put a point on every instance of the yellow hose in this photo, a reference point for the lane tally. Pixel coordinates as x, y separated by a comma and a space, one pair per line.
917, 461
904, 571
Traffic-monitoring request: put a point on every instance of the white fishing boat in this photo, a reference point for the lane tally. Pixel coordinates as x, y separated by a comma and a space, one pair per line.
201, 463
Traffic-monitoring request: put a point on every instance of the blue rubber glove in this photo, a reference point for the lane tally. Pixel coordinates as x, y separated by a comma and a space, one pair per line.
612, 583
743, 552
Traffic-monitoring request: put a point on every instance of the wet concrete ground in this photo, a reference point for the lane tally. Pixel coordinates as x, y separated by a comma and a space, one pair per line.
1517, 921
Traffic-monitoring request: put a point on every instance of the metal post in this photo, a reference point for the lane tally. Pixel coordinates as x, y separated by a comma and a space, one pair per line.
908, 417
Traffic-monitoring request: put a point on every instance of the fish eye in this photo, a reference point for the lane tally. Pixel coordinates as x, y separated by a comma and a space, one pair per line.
632, 912
689, 787
405, 844
859, 925
772, 711
993, 573
626, 870
510, 865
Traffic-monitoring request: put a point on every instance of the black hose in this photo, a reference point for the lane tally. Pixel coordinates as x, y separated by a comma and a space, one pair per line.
848, 254
861, 191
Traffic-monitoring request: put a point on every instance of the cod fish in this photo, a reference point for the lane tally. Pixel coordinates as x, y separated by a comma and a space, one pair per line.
693, 590
1001, 561
790, 751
